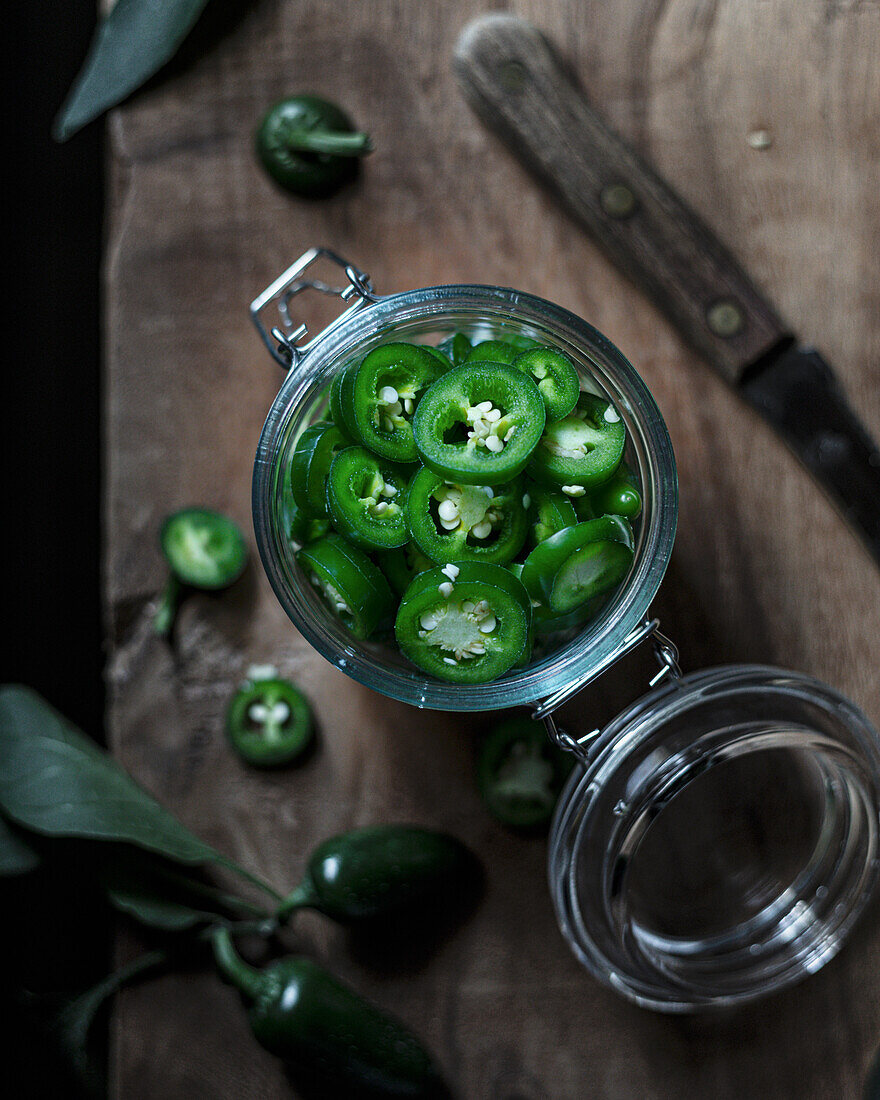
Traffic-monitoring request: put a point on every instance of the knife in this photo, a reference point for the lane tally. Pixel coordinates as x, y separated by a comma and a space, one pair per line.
521, 89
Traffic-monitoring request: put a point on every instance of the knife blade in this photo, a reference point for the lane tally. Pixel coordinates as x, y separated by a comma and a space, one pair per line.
518, 85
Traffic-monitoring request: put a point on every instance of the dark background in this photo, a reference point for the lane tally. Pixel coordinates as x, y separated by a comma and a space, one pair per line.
56, 936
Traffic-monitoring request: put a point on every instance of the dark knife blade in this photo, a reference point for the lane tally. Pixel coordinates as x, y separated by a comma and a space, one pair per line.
799, 394
521, 89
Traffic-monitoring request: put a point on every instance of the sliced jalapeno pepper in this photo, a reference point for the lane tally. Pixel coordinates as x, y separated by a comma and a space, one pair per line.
456, 347
479, 423
520, 773
619, 496
310, 465
441, 357
548, 512
402, 564
492, 351
468, 623
301, 527
203, 548
451, 522
555, 377
581, 450
341, 407
366, 497
385, 393
269, 723
573, 566
353, 587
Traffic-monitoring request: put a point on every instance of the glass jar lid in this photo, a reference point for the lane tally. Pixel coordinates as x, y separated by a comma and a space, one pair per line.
721, 838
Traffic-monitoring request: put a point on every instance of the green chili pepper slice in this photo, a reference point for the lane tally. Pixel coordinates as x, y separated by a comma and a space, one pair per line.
520, 773
309, 146
310, 465
352, 586
300, 527
619, 496
341, 402
467, 622
456, 348
556, 379
203, 548
493, 351
402, 564
366, 497
452, 522
269, 723
441, 357
583, 449
479, 423
548, 512
579, 563
385, 393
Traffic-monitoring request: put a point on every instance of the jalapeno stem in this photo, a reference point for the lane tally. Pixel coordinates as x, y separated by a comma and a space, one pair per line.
167, 609
331, 142
300, 898
246, 978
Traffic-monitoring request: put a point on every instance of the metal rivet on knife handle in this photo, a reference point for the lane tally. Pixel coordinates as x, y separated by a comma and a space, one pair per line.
512, 75
617, 201
725, 318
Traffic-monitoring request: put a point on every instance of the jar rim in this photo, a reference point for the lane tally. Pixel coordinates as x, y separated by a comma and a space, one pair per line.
644, 422
626, 749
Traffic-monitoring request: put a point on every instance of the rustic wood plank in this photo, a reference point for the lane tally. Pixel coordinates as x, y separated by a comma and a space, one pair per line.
763, 568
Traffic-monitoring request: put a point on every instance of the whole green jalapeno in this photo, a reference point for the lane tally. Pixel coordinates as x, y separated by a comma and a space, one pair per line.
319, 1026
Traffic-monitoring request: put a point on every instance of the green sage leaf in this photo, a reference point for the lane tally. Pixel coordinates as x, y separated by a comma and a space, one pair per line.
57, 782
17, 857
130, 45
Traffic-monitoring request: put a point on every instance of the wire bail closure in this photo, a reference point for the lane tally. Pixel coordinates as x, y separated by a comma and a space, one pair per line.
282, 340
666, 653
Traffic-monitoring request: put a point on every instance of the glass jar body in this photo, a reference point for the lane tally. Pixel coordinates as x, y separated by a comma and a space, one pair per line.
427, 316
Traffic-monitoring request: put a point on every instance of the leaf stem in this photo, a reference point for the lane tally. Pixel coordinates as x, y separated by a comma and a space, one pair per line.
300, 898
331, 142
167, 608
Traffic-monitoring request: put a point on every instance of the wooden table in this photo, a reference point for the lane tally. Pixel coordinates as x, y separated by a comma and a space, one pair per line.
763, 568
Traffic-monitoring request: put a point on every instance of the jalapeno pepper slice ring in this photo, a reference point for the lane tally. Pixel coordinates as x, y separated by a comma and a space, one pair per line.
520, 773
453, 522
549, 512
582, 449
366, 497
467, 622
455, 347
619, 496
353, 588
385, 392
310, 466
269, 723
579, 563
493, 351
556, 378
479, 423
203, 548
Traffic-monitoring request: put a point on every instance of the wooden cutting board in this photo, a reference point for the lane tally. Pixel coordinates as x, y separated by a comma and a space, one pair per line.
763, 569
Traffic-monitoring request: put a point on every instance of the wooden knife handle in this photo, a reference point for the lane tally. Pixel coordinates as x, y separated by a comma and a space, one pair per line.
519, 86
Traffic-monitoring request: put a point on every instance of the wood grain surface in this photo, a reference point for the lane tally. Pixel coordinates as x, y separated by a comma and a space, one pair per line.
763, 569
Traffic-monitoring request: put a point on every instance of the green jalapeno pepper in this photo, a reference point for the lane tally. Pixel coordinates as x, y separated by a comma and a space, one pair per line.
479, 423
441, 357
451, 522
556, 379
366, 497
300, 527
352, 586
348, 1047
309, 145
492, 351
341, 407
310, 466
583, 449
579, 563
269, 723
380, 871
619, 496
520, 773
468, 622
204, 550
384, 394
548, 512
456, 348
402, 564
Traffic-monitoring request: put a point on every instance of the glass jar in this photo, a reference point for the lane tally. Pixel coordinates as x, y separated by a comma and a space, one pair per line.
720, 836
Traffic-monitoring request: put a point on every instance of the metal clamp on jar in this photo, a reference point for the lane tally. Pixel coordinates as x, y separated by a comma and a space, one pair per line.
720, 836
